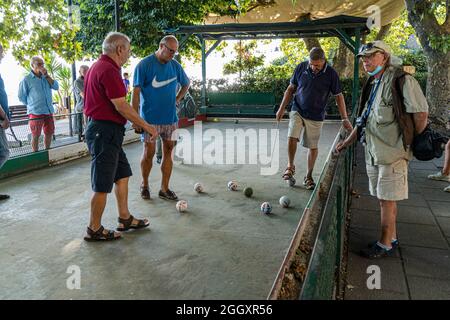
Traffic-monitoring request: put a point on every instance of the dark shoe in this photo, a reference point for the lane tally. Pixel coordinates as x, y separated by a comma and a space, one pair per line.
145, 193
100, 235
158, 160
394, 244
309, 183
168, 195
128, 223
4, 196
376, 252
289, 173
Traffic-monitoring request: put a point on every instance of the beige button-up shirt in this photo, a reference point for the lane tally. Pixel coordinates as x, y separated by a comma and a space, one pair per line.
384, 143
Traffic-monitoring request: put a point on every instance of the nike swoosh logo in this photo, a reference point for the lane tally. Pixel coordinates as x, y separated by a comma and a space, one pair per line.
159, 84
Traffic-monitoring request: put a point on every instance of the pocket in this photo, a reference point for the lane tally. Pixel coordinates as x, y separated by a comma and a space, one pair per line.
384, 114
400, 171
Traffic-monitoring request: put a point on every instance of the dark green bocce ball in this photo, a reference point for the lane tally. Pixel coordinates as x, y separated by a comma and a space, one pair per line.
248, 192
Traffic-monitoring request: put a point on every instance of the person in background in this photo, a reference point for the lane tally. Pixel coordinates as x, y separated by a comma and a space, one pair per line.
35, 91
78, 89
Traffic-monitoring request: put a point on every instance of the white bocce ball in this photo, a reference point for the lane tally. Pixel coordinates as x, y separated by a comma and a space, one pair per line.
198, 187
266, 208
181, 205
285, 201
232, 185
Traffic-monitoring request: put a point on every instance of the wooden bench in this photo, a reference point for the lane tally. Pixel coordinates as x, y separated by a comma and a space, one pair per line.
241, 104
18, 117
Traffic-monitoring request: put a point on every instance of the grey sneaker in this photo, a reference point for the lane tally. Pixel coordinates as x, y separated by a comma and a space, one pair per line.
439, 176
447, 189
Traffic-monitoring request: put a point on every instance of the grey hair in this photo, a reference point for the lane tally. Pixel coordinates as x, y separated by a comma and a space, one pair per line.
316, 54
113, 40
34, 60
84, 67
167, 38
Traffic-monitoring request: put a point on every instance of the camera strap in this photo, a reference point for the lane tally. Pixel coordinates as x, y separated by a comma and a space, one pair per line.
373, 94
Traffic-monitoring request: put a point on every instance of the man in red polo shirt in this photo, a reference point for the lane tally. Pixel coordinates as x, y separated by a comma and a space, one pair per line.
108, 110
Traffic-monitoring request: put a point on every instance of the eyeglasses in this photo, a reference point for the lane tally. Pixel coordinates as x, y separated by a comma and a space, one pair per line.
175, 52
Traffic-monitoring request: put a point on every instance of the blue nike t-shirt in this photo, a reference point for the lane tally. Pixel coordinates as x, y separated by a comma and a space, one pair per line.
158, 83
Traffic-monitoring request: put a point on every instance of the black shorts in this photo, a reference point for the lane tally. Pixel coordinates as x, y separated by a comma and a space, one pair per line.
109, 162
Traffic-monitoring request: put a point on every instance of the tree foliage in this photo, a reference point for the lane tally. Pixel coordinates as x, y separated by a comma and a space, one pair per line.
38, 27
145, 20
246, 61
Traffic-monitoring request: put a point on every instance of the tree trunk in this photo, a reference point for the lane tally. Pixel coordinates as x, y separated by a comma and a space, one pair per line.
344, 60
311, 43
438, 88
421, 17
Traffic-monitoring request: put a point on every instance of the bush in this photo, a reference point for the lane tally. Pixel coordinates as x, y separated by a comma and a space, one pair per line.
268, 81
416, 59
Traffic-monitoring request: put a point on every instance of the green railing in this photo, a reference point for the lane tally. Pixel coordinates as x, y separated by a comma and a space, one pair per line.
325, 267
313, 263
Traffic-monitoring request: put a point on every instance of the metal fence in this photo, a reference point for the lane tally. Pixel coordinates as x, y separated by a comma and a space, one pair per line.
69, 129
313, 265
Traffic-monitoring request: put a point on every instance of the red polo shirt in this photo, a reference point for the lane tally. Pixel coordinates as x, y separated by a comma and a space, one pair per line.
102, 83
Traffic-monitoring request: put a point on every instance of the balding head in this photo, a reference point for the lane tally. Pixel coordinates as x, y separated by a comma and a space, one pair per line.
113, 40
168, 48
117, 46
169, 39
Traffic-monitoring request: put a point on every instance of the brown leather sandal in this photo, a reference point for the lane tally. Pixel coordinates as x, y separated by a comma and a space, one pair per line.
127, 224
289, 173
145, 192
99, 235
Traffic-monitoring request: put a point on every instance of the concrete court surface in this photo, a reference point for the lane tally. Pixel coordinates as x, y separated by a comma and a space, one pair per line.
222, 248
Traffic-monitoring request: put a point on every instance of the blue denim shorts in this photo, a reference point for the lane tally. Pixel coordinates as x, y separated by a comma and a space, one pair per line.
109, 162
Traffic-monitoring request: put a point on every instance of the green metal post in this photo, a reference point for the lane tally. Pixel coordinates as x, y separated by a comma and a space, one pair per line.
202, 40
355, 93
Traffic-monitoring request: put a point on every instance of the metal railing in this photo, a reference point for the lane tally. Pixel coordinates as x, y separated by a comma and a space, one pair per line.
312, 266
69, 129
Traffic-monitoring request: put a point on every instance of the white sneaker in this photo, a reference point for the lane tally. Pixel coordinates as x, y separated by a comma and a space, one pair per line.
439, 176
447, 189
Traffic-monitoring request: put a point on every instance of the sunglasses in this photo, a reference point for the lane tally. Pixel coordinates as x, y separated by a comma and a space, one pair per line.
368, 46
175, 52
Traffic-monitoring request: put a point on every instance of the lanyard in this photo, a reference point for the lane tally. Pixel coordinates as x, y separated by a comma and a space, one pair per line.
371, 99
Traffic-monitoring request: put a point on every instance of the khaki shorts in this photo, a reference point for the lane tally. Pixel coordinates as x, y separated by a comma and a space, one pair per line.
389, 182
312, 131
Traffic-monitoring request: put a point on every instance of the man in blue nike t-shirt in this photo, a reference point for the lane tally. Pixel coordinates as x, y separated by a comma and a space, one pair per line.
155, 96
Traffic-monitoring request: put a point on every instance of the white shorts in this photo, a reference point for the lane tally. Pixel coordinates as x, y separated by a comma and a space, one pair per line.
312, 131
389, 182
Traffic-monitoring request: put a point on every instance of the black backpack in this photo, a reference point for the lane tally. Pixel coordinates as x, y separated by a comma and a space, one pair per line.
428, 145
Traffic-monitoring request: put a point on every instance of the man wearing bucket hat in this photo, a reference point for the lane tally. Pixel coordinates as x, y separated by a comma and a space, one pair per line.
387, 133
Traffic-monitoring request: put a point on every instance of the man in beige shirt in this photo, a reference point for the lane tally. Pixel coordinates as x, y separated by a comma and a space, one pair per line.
385, 153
